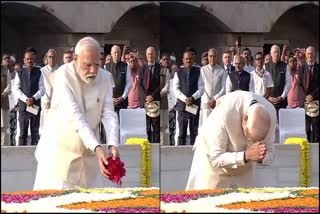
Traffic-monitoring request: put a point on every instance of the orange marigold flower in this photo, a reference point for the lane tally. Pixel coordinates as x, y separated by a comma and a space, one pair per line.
291, 202
131, 202
309, 192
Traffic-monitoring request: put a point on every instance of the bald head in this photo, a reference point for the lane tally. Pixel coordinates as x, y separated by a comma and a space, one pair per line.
85, 44
212, 56
275, 53
51, 57
51, 50
151, 55
115, 53
238, 62
310, 54
258, 122
115, 48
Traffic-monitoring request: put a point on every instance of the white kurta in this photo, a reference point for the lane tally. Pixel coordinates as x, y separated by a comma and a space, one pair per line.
68, 119
213, 78
4, 112
218, 160
6, 92
48, 73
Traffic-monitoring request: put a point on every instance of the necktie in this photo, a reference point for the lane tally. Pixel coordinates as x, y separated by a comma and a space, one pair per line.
228, 70
260, 73
309, 76
149, 76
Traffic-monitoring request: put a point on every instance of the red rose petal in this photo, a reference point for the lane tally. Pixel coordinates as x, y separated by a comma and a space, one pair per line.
117, 170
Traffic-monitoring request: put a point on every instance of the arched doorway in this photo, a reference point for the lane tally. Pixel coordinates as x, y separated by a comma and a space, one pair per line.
23, 25
137, 28
299, 26
185, 25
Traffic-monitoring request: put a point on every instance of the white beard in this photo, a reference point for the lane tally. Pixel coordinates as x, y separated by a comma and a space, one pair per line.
88, 80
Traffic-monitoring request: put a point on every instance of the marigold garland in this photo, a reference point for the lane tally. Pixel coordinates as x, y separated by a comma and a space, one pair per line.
304, 159
145, 159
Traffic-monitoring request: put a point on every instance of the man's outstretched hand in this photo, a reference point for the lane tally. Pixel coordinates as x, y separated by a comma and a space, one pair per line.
102, 161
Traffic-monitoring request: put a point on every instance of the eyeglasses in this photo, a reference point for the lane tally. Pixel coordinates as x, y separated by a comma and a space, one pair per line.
258, 59
6, 57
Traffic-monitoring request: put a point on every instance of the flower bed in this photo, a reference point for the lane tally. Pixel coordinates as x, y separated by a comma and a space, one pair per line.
132, 200
284, 200
149, 200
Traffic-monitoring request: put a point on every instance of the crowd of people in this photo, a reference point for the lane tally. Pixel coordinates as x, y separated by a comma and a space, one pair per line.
286, 79
177, 97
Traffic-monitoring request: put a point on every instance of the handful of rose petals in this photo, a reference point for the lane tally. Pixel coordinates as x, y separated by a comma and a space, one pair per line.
117, 170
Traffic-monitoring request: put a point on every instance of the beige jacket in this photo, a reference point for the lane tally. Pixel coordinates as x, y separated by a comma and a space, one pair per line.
218, 160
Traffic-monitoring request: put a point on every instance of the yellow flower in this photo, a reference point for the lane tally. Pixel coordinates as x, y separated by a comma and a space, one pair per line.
304, 159
145, 159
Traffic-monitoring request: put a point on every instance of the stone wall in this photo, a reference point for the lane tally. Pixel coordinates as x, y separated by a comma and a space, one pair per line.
284, 172
18, 167
78, 15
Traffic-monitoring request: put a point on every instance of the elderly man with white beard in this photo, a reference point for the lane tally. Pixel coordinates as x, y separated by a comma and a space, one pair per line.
69, 148
238, 134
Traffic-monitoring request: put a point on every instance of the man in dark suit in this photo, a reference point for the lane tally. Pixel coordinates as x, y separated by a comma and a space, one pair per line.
226, 60
309, 80
150, 96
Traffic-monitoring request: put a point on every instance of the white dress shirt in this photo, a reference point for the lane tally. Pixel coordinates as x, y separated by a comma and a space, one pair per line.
20, 95
261, 84
226, 68
248, 68
178, 93
287, 85
172, 100
128, 84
